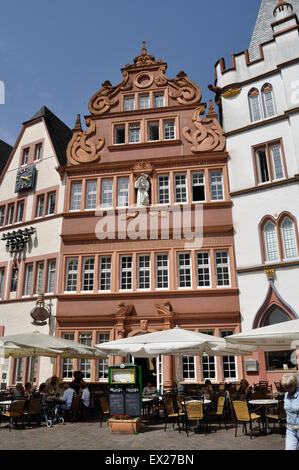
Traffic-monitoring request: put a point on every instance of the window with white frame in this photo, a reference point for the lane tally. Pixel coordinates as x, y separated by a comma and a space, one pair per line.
25, 156
216, 185
159, 101
228, 362
76, 195
38, 152
126, 272
40, 270
20, 211
129, 103
134, 133
208, 367
107, 192
153, 131
289, 242
162, 271
180, 188
71, 274
28, 279
88, 274
51, 203
11, 209
254, 105
67, 364
270, 242
198, 186
85, 364
203, 269
188, 367
276, 160
29, 368
163, 189
268, 100
40, 206
122, 192
144, 272
269, 162
103, 364
169, 130
91, 195
143, 101
184, 270
222, 268
105, 273
51, 276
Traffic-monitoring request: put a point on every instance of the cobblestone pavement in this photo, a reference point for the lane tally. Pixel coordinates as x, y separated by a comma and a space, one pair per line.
89, 436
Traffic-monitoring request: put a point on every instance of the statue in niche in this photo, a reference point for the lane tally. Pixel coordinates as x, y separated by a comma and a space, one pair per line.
142, 185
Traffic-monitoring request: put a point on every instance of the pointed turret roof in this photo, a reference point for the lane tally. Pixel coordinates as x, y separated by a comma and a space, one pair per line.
262, 30
59, 132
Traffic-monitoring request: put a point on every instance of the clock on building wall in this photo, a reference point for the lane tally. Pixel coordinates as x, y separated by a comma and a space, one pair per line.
25, 178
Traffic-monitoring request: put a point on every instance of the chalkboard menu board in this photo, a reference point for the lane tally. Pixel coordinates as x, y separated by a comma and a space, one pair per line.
116, 402
132, 403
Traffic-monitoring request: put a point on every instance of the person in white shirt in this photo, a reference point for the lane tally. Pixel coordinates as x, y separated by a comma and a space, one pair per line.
85, 397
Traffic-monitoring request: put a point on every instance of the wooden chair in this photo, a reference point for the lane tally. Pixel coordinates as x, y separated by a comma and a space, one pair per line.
243, 415
258, 395
279, 387
104, 408
34, 409
16, 411
73, 411
279, 417
171, 414
194, 412
219, 413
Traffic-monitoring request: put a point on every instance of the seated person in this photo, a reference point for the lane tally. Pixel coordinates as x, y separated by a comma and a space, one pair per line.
149, 389
244, 392
78, 380
19, 393
207, 390
54, 387
28, 391
67, 399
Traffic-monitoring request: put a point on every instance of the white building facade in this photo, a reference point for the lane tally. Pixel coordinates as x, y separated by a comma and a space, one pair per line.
259, 103
32, 199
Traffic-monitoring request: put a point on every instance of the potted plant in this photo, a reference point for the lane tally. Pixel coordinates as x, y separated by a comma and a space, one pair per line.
125, 424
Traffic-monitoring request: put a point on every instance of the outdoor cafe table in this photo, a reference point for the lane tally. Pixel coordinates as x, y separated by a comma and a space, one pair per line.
263, 404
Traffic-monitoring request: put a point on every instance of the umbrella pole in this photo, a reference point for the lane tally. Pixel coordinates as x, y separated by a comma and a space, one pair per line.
31, 377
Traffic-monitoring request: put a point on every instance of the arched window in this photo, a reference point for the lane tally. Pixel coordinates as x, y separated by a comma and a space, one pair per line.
288, 236
277, 315
268, 100
270, 242
254, 105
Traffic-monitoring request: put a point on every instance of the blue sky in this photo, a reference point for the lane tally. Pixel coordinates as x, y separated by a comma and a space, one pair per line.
58, 53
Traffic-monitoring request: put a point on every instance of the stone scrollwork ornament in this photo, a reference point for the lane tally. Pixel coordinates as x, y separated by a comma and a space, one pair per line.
184, 90
208, 135
84, 146
108, 95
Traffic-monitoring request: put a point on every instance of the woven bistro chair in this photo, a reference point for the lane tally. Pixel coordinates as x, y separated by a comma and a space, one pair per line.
170, 414
220, 412
34, 409
74, 409
194, 412
104, 411
16, 411
243, 415
278, 417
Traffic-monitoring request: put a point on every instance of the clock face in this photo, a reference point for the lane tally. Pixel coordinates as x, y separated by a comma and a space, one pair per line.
25, 178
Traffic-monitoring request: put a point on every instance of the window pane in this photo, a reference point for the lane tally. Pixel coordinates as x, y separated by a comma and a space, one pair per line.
180, 184
159, 100
71, 274
105, 273
103, 363
208, 367
216, 185
91, 195
271, 244
119, 134
67, 363
153, 131
2, 215
11, 209
268, 99
184, 274
2, 273
85, 364
222, 268
163, 189
28, 279
134, 133
38, 151
107, 193
76, 196
39, 278
129, 102
198, 187
188, 367
123, 192
143, 101
289, 238
126, 270
88, 274
169, 130
162, 271
203, 270
276, 161
51, 203
51, 276
262, 166
254, 104
144, 272
20, 212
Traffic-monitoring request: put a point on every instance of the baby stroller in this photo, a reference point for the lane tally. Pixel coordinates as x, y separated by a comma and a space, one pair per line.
48, 413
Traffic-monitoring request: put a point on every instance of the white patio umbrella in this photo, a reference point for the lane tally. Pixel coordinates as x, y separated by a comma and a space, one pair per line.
277, 337
176, 341
34, 344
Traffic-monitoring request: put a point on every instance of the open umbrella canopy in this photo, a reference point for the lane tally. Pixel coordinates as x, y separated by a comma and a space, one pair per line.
277, 337
176, 341
39, 344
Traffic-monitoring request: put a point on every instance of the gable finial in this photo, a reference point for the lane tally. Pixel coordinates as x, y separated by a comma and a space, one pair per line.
143, 51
